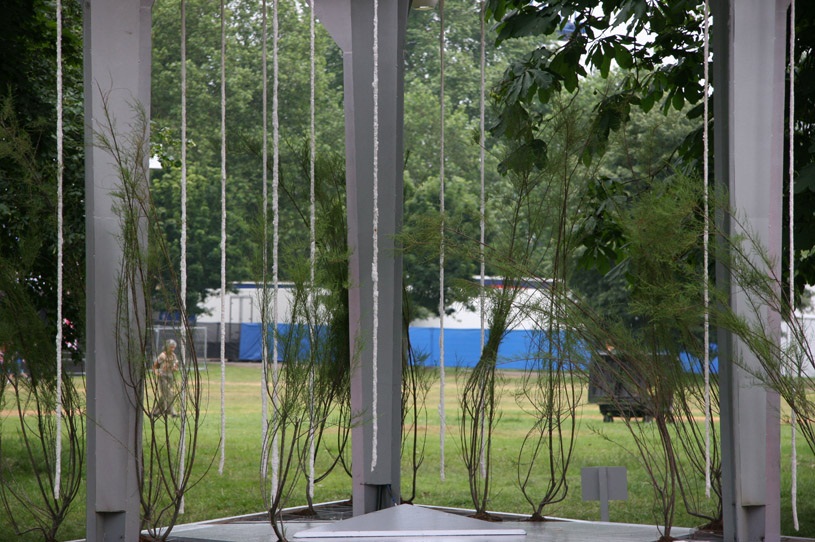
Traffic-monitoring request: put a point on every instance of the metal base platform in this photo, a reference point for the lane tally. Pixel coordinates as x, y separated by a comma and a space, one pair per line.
249, 529
408, 521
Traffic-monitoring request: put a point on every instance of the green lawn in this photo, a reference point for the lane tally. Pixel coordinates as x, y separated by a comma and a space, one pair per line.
237, 491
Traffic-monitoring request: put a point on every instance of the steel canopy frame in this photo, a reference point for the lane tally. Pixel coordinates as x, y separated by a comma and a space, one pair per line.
749, 55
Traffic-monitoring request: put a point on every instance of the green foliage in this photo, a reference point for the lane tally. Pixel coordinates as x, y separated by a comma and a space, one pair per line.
28, 353
665, 276
462, 145
674, 26
309, 393
28, 195
783, 366
804, 148
421, 241
244, 123
654, 53
662, 228
232, 494
417, 380
640, 160
28, 265
636, 148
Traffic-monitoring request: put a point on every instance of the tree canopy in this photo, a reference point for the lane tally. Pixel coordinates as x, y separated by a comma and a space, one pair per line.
654, 50
648, 52
28, 172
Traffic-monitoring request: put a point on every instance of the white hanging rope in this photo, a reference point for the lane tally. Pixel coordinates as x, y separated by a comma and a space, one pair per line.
375, 261
483, 217
312, 452
275, 233
706, 241
442, 414
183, 437
223, 240
481, 162
264, 334
265, 251
60, 243
793, 420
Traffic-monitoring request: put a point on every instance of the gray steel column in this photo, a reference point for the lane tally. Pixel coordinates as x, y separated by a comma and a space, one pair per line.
117, 61
749, 58
351, 23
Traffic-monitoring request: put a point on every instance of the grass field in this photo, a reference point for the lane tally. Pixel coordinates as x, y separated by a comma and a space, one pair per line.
237, 491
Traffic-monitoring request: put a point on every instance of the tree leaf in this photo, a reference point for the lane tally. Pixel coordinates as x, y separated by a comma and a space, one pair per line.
805, 179
513, 122
526, 23
533, 154
605, 65
678, 101
647, 101
623, 56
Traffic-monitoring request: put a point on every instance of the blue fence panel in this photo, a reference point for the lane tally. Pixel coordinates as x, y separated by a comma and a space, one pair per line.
251, 347
462, 347
691, 364
520, 349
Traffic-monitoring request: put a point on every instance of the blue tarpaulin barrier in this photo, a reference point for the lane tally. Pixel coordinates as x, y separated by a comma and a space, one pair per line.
462, 346
692, 364
520, 348
251, 347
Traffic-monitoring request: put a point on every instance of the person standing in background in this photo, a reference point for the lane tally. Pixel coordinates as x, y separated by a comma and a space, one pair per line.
164, 367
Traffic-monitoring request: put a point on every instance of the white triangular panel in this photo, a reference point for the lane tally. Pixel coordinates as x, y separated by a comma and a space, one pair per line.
408, 521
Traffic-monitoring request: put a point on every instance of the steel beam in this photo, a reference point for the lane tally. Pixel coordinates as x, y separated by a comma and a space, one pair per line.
351, 24
117, 64
749, 59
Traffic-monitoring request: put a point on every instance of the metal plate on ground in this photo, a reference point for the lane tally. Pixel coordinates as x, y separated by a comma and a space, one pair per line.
408, 521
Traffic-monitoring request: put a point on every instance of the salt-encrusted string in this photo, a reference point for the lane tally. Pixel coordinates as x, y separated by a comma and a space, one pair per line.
706, 242
375, 260
793, 420
312, 452
482, 162
264, 304
183, 437
442, 305
223, 239
60, 244
483, 214
275, 234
